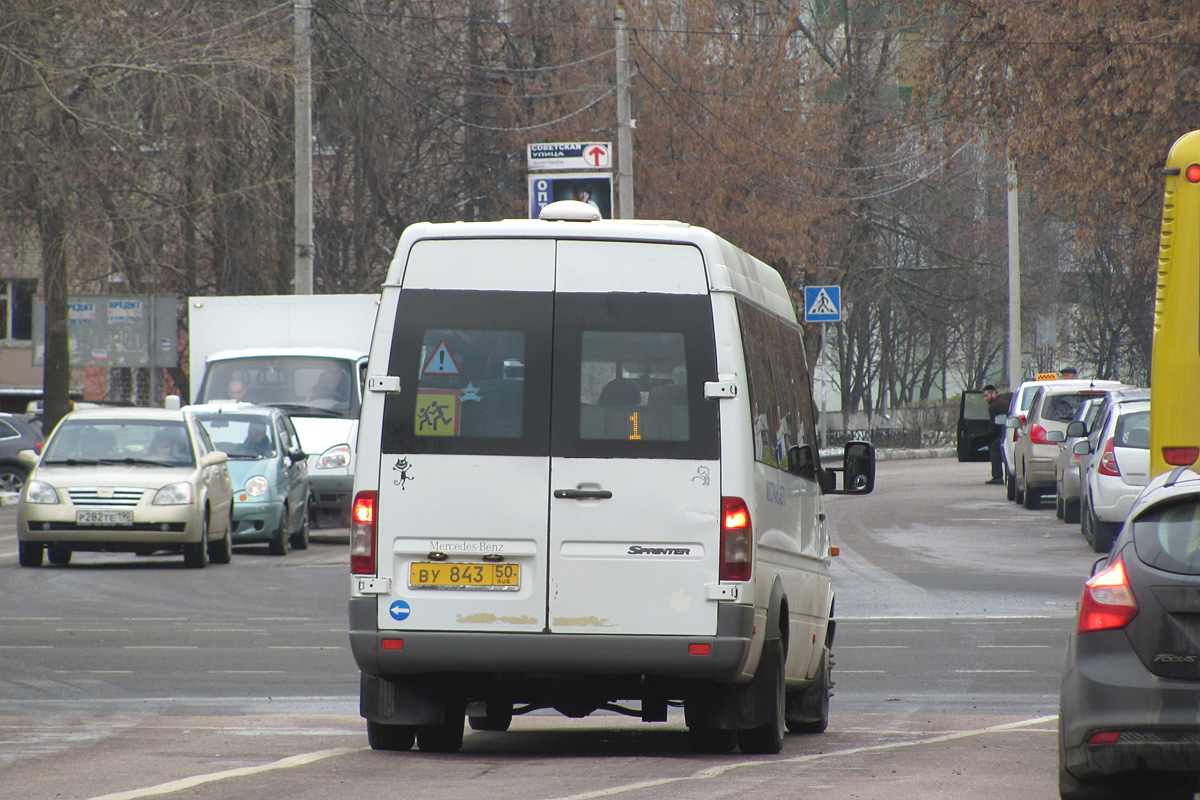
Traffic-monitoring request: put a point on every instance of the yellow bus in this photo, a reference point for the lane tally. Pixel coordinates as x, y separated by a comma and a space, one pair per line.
1175, 368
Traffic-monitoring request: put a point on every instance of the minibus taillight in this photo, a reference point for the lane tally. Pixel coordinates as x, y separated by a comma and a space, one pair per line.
1181, 456
362, 533
737, 540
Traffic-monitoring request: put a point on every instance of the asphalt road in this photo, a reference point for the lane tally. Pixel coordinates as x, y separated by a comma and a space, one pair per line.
127, 677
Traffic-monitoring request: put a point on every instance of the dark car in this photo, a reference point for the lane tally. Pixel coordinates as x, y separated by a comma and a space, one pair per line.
1128, 722
975, 429
17, 432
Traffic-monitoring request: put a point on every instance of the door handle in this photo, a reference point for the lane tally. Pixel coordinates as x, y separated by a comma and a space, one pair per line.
582, 494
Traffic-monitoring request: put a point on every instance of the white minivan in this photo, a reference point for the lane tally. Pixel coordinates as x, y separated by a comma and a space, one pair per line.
588, 479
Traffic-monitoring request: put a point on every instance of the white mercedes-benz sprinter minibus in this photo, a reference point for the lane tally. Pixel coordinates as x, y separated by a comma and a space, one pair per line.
588, 479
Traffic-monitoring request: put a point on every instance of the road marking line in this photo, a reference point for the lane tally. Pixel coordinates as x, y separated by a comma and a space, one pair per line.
198, 780
160, 647
995, 671
716, 772
872, 647
862, 672
1013, 646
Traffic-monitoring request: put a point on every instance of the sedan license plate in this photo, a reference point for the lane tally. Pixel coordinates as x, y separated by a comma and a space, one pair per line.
427, 575
103, 517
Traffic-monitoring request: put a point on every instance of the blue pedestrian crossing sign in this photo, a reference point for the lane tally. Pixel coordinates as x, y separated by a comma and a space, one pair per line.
822, 304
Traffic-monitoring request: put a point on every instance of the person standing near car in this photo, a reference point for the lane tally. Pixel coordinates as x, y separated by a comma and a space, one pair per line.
997, 406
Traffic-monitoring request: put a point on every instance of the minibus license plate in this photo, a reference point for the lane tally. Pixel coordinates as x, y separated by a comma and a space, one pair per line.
429, 575
103, 517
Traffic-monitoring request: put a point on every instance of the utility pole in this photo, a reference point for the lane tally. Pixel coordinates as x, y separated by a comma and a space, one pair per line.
302, 14
625, 125
1014, 282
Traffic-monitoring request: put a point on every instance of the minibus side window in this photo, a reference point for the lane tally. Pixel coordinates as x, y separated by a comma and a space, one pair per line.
764, 407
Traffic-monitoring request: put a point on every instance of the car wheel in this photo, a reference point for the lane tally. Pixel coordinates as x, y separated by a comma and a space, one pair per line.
1010, 487
1085, 521
195, 555
808, 711
12, 478
382, 736
29, 554
57, 554
221, 551
767, 739
300, 537
1058, 506
1020, 492
498, 717
1071, 510
447, 735
1104, 534
1032, 498
279, 542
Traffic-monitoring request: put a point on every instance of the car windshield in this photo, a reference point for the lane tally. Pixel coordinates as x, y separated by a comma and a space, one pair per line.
305, 385
153, 442
1167, 537
241, 436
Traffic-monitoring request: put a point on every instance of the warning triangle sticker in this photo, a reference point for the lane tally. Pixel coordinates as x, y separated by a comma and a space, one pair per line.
441, 362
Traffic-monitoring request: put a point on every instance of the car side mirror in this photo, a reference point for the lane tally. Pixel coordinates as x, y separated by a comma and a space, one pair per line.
1082, 447
1000, 419
1077, 428
28, 457
297, 455
1012, 422
214, 458
1055, 436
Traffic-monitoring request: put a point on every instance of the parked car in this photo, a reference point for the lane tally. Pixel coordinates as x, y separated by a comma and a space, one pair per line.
1127, 715
1053, 405
269, 471
129, 480
974, 428
1118, 469
1066, 465
17, 432
1022, 397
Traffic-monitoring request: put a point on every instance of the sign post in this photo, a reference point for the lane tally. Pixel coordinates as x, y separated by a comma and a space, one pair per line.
823, 304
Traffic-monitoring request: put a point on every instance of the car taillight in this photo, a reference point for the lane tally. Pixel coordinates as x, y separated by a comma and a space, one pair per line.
362, 533
737, 540
1181, 456
1108, 461
1107, 602
1037, 435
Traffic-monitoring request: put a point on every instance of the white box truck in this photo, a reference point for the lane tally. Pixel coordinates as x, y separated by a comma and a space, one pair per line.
305, 354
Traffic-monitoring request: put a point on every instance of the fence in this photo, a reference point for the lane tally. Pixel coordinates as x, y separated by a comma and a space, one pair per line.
891, 438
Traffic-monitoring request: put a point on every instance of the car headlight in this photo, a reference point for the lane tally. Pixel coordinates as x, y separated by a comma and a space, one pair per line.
175, 494
40, 492
335, 457
256, 486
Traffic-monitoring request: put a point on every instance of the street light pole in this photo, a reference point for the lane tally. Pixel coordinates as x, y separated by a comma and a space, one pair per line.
303, 274
624, 123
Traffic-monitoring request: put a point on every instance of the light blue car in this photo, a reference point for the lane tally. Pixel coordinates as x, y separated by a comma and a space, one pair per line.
268, 469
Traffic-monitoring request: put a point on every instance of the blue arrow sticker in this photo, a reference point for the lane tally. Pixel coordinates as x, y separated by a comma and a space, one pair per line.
400, 610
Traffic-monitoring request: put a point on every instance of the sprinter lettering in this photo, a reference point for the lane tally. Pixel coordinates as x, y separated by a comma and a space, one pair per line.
639, 550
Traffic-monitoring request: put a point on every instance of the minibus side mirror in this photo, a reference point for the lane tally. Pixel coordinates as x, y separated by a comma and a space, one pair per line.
858, 470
